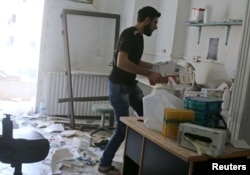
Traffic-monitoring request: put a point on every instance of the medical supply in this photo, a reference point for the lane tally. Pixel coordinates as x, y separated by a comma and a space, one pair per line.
206, 110
197, 15
212, 93
166, 68
202, 139
172, 119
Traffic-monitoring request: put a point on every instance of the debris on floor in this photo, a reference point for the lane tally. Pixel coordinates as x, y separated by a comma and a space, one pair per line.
72, 152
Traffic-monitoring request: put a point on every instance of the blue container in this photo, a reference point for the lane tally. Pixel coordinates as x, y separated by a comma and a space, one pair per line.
207, 118
203, 104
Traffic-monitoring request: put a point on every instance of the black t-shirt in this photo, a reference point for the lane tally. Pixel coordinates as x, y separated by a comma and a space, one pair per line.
131, 42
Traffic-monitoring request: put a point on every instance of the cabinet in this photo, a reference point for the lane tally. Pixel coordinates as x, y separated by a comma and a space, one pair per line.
144, 157
226, 24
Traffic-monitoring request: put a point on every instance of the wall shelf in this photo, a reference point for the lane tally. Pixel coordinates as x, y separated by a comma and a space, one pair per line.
227, 24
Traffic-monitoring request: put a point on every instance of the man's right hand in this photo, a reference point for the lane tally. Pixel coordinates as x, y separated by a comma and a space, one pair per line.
156, 77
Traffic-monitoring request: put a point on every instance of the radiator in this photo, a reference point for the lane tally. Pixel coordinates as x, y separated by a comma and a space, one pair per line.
83, 85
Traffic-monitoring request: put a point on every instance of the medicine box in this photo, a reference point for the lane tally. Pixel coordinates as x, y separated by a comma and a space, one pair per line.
212, 93
172, 119
206, 110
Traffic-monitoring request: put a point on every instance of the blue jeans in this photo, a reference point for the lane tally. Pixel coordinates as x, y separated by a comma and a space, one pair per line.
121, 97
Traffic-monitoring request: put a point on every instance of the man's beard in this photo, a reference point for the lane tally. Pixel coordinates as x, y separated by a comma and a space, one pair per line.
147, 30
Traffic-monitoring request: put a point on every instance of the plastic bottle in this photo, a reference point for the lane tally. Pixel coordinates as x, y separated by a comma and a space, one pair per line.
42, 109
7, 128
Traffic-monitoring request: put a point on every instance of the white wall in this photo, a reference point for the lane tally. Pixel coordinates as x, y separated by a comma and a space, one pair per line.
172, 33
172, 40
52, 45
127, 18
130, 14
167, 41
218, 11
166, 30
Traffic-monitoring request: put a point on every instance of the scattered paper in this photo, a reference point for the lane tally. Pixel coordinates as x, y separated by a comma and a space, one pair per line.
71, 133
68, 133
15, 125
62, 154
77, 142
57, 158
31, 116
55, 128
41, 124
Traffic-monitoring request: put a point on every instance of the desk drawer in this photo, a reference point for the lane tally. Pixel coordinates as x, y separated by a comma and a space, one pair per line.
156, 160
134, 146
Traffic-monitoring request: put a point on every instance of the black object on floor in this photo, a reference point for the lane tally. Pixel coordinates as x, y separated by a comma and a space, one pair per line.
16, 151
102, 144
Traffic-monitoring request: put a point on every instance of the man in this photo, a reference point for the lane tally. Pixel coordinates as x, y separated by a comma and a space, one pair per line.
123, 89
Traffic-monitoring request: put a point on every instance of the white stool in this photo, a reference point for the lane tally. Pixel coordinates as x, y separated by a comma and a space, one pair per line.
104, 109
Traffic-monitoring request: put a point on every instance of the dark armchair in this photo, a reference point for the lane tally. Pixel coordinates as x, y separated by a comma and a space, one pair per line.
26, 147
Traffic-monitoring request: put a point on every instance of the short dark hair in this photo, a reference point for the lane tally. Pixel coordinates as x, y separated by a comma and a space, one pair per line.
147, 11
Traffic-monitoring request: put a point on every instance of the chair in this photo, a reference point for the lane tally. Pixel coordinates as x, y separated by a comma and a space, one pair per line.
27, 147
104, 109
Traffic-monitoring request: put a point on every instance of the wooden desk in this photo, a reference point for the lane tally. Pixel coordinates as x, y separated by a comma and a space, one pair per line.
148, 152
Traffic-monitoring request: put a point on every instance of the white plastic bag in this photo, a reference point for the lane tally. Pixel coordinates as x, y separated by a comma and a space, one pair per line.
154, 105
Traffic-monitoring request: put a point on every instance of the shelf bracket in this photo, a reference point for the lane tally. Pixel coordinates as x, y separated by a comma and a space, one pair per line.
199, 35
228, 32
227, 24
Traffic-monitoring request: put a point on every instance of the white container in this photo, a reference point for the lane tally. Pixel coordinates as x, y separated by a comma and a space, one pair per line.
197, 15
154, 105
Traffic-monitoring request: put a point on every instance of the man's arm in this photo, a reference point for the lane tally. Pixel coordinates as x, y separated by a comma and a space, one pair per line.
146, 65
143, 69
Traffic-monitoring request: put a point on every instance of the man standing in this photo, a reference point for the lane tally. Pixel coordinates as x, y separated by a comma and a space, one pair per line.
123, 89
